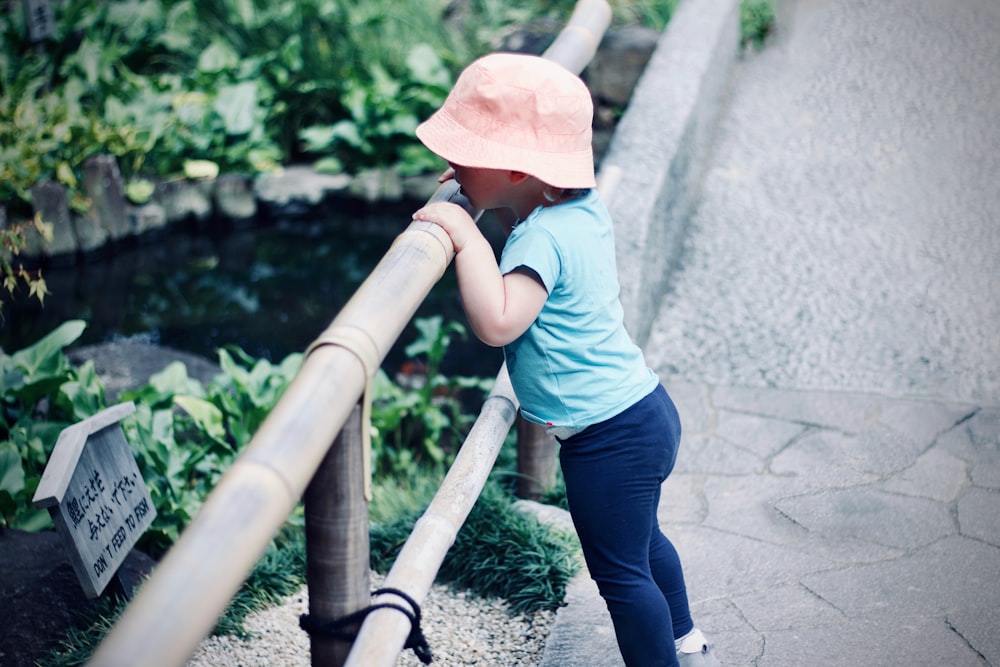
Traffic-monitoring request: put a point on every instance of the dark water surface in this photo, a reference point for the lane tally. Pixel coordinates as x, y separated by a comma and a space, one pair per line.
270, 289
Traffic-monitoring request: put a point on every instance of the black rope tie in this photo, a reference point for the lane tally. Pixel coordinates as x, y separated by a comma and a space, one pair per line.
337, 628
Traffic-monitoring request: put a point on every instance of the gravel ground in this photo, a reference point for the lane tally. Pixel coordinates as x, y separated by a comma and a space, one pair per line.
461, 629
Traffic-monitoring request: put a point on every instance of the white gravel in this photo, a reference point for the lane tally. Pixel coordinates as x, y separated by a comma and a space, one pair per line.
461, 629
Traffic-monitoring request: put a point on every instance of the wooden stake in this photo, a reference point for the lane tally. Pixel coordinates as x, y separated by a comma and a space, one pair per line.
537, 459
337, 551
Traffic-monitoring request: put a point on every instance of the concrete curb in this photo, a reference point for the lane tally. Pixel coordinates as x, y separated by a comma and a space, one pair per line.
650, 180
650, 176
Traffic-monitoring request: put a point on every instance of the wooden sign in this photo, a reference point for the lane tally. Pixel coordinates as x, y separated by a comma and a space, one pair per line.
41, 22
96, 496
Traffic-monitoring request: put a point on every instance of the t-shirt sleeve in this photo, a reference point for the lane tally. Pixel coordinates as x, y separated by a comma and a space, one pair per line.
534, 249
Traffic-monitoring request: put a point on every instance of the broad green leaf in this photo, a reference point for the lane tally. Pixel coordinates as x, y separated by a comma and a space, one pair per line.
329, 165
426, 67
32, 520
11, 471
65, 175
318, 138
173, 380
208, 417
349, 133
217, 57
86, 394
88, 56
236, 104
45, 359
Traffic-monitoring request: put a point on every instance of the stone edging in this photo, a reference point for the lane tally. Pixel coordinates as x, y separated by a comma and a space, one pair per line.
227, 198
651, 174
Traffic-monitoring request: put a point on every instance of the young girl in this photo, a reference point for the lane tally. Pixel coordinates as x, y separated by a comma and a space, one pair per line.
516, 132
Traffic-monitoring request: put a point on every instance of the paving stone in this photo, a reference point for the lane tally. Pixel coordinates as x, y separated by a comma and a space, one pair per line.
745, 505
876, 640
763, 437
986, 475
817, 458
953, 574
846, 412
714, 455
979, 630
719, 564
871, 515
786, 607
936, 475
979, 516
920, 419
683, 499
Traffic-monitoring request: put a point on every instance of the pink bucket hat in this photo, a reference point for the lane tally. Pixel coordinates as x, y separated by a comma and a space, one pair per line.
517, 112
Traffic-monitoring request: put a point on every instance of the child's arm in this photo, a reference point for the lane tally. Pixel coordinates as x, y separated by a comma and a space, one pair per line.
500, 307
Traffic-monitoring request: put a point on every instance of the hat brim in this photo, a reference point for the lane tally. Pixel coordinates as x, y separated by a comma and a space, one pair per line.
453, 142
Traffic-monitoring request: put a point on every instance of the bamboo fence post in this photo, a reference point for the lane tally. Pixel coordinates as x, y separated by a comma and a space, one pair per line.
337, 549
537, 459
384, 631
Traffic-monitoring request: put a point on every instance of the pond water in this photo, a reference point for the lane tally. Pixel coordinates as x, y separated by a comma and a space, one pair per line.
270, 289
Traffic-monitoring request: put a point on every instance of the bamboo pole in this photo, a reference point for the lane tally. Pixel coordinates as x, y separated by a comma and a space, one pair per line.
337, 546
577, 43
384, 631
537, 460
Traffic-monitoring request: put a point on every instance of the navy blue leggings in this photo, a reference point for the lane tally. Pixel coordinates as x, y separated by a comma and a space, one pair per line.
613, 473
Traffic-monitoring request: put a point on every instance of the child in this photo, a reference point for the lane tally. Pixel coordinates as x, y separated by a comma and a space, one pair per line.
516, 132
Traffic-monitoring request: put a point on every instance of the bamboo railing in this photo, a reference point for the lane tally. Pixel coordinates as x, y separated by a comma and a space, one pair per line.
310, 445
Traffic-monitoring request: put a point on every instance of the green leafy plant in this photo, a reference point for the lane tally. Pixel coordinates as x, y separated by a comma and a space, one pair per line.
383, 112
420, 421
185, 434
756, 21
40, 394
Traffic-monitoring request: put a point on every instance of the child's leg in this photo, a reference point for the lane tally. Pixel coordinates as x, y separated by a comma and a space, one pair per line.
613, 473
665, 564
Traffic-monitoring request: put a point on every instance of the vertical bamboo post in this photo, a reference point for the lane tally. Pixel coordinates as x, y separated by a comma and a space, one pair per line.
573, 48
337, 547
537, 459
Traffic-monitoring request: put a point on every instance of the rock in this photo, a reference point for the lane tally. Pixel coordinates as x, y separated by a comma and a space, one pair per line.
128, 364
373, 185
42, 597
234, 197
146, 218
102, 181
620, 61
298, 184
50, 199
183, 199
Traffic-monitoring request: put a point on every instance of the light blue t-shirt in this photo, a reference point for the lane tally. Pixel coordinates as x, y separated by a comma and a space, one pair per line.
575, 365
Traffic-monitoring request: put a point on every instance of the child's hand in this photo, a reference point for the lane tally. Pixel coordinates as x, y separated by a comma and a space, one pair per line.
453, 218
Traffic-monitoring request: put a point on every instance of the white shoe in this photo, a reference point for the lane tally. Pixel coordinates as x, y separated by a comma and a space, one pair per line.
696, 652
